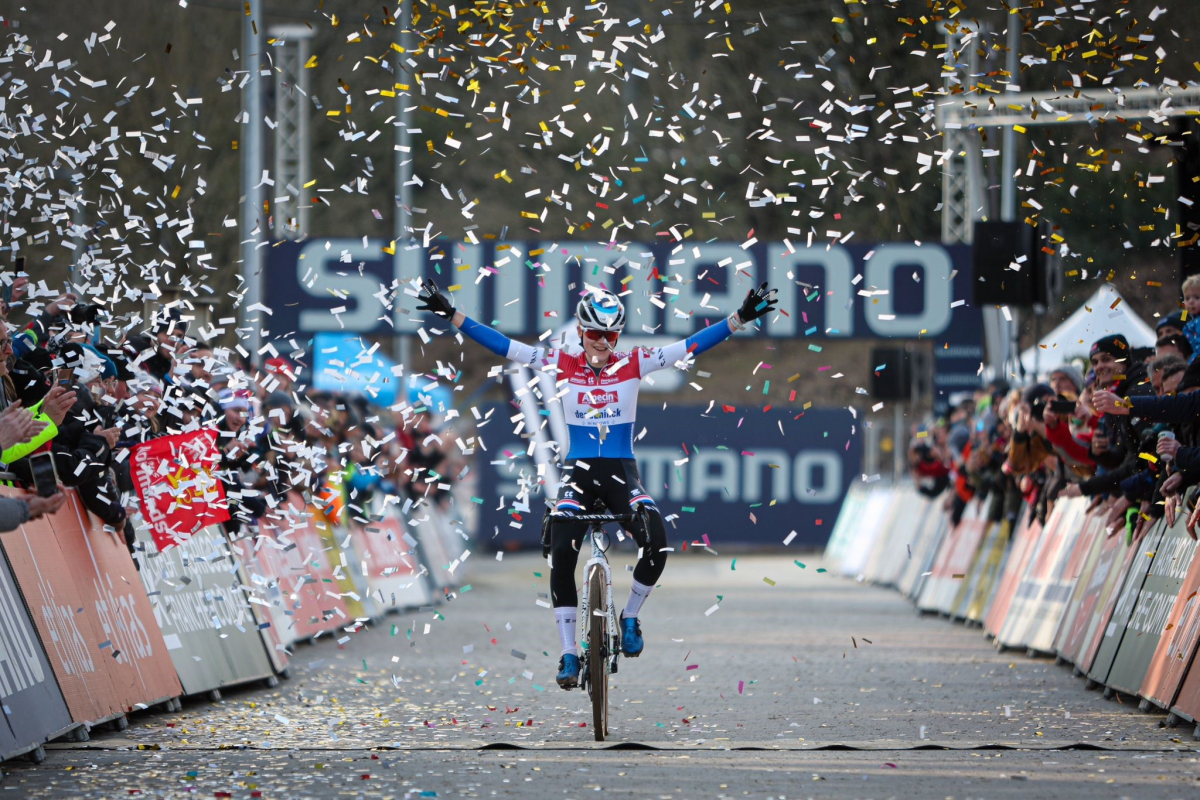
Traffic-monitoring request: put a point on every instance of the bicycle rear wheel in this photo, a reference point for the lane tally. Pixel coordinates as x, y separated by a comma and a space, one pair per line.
598, 653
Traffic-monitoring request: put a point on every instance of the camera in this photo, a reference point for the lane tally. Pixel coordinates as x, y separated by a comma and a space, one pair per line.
84, 313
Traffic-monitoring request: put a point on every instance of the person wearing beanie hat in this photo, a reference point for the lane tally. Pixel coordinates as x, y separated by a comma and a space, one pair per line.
1067, 380
1175, 344
1170, 325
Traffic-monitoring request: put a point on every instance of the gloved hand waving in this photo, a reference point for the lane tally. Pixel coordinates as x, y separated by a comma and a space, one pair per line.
758, 303
434, 301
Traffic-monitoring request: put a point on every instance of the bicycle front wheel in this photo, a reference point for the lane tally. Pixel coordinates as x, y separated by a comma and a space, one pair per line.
598, 652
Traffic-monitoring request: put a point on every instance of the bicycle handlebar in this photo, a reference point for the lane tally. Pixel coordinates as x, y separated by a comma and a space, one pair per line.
596, 517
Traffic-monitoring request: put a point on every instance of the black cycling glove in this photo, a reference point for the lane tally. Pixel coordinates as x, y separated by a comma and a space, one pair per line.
434, 301
758, 303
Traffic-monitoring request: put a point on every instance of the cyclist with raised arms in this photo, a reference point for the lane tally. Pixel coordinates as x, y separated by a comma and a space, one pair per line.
600, 470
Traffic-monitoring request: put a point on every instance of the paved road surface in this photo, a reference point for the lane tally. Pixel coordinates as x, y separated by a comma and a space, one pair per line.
734, 703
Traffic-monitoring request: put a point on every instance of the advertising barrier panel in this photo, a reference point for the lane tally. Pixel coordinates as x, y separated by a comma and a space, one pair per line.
1092, 587
1040, 599
1141, 556
133, 649
954, 559
985, 571
1128, 615
298, 555
891, 554
1169, 565
66, 617
1023, 545
1176, 651
925, 549
34, 708
389, 562
844, 530
206, 621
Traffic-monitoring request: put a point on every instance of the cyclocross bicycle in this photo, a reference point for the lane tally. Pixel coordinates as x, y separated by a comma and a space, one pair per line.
602, 645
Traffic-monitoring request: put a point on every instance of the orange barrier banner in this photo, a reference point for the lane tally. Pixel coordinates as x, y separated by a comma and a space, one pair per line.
66, 620
295, 556
91, 612
1177, 648
1026, 535
140, 667
389, 563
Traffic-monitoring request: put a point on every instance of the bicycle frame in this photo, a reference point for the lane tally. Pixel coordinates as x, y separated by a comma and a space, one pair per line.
599, 560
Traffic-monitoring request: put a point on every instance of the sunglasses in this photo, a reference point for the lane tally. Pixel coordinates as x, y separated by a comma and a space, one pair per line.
595, 336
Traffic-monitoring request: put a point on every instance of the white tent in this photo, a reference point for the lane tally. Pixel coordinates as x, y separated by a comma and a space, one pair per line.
1094, 319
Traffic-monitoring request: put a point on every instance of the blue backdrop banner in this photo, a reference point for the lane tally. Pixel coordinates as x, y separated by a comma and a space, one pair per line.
893, 290
740, 477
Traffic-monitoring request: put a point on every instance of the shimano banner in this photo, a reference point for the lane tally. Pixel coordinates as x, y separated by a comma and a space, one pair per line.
738, 477
894, 290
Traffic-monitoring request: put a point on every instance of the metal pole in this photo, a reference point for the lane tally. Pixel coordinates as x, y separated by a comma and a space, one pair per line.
305, 129
251, 148
404, 174
1008, 181
897, 448
1008, 148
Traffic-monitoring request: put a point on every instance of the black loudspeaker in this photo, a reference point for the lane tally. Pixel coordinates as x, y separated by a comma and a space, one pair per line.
998, 245
894, 381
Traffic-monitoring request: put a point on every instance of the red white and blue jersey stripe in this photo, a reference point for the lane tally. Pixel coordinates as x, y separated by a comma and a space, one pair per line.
600, 406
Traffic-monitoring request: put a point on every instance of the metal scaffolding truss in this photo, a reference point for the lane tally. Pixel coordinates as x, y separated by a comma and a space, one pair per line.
292, 143
962, 184
1066, 107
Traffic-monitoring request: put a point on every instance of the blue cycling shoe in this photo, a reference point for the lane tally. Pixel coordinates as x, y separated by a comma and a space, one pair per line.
568, 671
631, 636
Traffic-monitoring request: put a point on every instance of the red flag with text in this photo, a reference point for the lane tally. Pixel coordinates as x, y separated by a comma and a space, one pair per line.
176, 483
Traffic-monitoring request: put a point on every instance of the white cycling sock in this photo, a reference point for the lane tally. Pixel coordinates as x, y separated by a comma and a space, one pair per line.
565, 617
638, 593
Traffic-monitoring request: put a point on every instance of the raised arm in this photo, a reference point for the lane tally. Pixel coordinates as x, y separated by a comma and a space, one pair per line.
759, 302
437, 303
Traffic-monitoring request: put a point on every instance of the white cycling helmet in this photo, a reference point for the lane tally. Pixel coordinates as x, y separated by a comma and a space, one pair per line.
601, 310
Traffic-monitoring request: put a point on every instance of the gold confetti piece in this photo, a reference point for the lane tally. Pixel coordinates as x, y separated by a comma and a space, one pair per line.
768, 581
312, 62
175, 193
1115, 303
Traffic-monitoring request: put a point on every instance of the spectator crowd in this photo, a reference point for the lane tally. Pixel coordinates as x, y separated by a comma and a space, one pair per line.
1120, 429
76, 385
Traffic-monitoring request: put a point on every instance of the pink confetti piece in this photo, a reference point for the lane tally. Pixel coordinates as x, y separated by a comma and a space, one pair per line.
693, 666
741, 685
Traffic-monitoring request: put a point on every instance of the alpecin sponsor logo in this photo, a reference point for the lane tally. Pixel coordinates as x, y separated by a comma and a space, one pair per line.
596, 398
